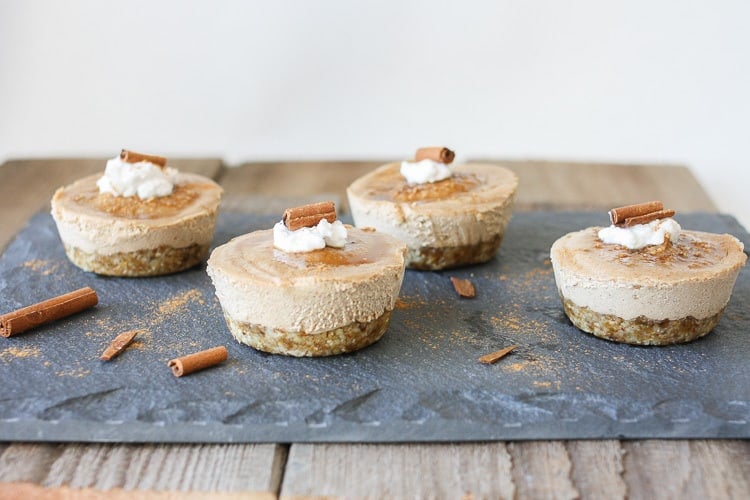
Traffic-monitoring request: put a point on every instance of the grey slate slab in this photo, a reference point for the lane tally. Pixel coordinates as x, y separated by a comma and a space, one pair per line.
421, 382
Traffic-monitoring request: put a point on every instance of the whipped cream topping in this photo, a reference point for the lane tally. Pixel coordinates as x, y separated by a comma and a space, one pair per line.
422, 172
143, 179
641, 235
307, 239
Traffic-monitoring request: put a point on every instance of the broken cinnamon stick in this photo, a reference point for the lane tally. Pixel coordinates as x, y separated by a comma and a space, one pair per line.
619, 214
309, 215
645, 219
118, 345
198, 361
438, 153
464, 288
133, 157
494, 357
52, 309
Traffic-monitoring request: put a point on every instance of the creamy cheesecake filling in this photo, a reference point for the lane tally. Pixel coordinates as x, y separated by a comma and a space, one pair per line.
107, 224
310, 292
691, 277
472, 206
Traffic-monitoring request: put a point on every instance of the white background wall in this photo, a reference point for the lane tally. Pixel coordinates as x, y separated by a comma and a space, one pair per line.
628, 81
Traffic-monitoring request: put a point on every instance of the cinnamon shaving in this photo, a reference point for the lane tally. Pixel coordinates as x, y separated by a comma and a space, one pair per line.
645, 219
438, 153
309, 215
494, 357
198, 361
118, 345
52, 309
463, 287
618, 215
133, 157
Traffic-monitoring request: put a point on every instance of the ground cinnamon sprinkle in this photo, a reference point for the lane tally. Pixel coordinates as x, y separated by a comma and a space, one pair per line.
409, 303
44, 267
178, 302
78, 372
19, 352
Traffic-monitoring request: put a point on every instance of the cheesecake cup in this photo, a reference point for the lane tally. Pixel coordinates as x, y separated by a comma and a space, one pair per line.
319, 303
658, 295
132, 237
457, 221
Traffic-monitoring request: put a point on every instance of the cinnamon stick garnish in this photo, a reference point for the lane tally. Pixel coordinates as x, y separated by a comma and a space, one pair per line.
618, 215
198, 361
52, 309
133, 157
464, 288
494, 357
118, 345
309, 215
645, 219
438, 153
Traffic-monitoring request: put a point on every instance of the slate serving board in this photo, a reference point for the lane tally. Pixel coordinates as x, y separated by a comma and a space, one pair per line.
421, 382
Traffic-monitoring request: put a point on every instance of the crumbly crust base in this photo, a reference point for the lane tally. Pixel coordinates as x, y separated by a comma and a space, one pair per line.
300, 344
141, 263
435, 258
641, 330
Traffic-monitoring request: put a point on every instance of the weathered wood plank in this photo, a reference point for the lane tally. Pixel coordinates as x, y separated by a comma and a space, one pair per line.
398, 471
28, 462
586, 186
597, 468
276, 186
226, 468
659, 469
26, 491
542, 469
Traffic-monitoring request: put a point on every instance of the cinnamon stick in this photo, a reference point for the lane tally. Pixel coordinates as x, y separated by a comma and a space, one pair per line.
618, 215
133, 157
437, 153
198, 361
645, 219
494, 357
118, 345
464, 288
52, 309
309, 215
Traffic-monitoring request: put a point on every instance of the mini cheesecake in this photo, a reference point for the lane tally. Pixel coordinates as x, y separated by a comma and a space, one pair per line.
656, 295
129, 236
456, 221
318, 303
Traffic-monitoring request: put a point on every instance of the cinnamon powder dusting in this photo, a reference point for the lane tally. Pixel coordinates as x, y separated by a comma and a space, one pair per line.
134, 207
409, 303
77, 372
43, 267
177, 303
10, 353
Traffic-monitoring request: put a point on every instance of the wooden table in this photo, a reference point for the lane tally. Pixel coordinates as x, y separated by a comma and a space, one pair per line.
530, 469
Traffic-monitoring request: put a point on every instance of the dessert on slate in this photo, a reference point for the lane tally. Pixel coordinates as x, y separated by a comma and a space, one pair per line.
447, 216
141, 218
310, 286
644, 280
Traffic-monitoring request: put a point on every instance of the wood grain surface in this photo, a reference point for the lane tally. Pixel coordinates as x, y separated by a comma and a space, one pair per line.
648, 469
